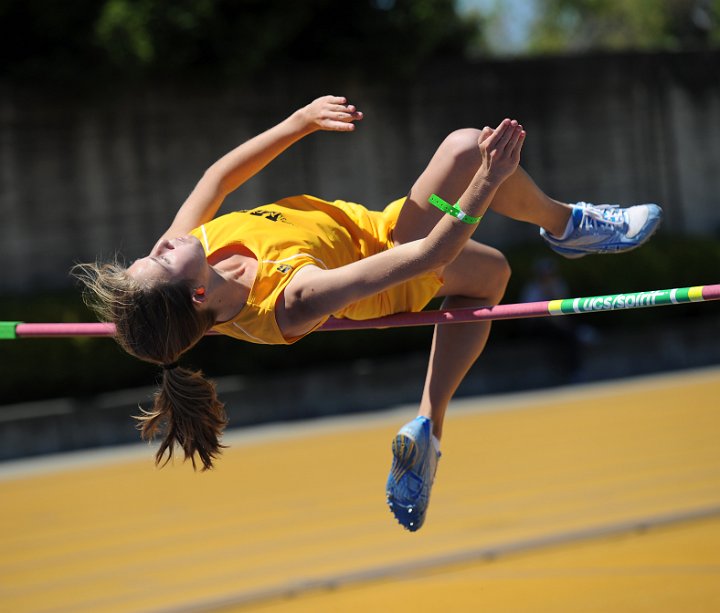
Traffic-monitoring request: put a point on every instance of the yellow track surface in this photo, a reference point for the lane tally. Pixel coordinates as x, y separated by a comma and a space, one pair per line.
601, 498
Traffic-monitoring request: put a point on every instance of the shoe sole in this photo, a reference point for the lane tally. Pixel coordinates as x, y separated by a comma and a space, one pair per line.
404, 452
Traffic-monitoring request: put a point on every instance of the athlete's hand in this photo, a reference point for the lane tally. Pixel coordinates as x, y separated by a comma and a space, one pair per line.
500, 150
330, 113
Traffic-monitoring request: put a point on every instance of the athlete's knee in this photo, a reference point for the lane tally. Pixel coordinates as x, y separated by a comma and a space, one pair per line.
504, 274
499, 276
505, 270
462, 145
491, 272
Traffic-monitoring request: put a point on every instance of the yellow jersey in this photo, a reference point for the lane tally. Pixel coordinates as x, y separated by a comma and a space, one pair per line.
294, 232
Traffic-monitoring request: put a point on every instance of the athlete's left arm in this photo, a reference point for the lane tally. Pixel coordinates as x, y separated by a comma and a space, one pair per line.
314, 293
236, 167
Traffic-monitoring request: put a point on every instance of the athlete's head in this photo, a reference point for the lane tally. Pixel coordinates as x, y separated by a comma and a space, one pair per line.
157, 319
174, 260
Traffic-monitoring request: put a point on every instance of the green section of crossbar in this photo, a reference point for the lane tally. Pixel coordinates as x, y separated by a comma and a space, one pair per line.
633, 300
7, 330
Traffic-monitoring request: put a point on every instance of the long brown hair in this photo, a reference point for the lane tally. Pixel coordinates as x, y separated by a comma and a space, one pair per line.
157, 323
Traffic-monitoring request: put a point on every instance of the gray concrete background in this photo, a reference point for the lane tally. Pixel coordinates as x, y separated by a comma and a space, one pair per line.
86, 174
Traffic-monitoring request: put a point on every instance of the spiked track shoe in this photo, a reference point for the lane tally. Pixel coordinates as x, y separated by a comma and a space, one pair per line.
412, 473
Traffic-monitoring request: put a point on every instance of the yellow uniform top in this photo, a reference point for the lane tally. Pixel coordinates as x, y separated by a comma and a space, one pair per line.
294, 232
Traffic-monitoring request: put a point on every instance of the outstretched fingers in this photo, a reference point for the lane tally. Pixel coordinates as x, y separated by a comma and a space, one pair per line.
517, 144
504, 137
513, 143
505, 131
501, 147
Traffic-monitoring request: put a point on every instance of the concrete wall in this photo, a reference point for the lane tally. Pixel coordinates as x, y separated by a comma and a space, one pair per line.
83, 175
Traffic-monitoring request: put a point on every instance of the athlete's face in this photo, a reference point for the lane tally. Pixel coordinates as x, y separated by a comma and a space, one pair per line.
177, 259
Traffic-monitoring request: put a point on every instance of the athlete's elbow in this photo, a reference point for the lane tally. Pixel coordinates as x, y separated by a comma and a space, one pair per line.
304, 304
210, 188
443, 259
217, 181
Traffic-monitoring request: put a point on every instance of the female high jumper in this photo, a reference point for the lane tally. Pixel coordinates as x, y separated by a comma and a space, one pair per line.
275, 273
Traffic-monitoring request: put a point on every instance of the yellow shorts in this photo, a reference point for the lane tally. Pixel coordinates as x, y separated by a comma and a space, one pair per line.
410, 296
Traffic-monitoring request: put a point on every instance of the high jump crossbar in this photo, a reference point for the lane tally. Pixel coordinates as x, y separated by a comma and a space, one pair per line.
524, 310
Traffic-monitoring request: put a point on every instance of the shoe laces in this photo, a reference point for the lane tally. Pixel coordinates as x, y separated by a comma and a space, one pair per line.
607, 217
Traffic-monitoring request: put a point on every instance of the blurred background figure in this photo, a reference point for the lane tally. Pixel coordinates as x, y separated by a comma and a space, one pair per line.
566, 338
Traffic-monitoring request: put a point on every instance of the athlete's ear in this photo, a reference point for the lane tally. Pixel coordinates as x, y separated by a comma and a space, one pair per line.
199, 296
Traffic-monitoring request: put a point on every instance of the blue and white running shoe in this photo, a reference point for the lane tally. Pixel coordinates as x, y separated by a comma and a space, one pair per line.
412, 474
606, 228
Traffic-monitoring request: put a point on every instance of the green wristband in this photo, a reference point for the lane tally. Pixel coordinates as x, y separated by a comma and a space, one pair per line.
452, 209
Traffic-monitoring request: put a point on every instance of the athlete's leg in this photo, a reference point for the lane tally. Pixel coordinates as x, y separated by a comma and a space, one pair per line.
477, 277
448, 174
480, 274
594, 229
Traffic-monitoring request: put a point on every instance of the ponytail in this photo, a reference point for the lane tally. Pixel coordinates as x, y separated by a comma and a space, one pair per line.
187, 408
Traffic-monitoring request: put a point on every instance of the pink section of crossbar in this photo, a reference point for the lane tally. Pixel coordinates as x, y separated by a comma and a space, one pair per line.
711, 292
423, 318
60, 330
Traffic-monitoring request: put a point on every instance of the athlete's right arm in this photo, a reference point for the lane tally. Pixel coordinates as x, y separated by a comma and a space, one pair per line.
236, 167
